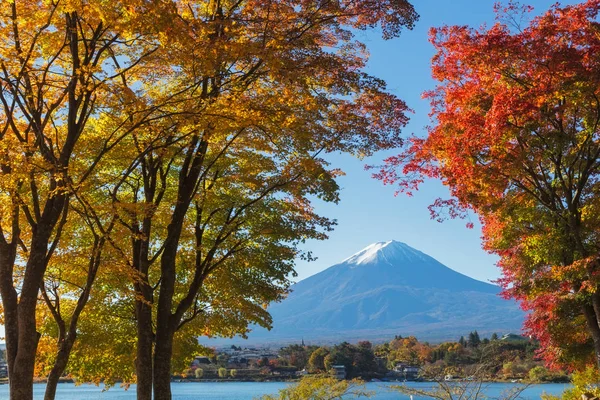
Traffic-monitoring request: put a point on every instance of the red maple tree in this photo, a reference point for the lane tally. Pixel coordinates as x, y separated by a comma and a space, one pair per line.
515, 137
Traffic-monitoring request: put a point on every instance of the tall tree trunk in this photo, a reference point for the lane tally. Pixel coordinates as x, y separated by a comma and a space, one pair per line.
162, 364
143, 306
21, 382
145, 342
21, 376
165, 330
163, 347
166, 323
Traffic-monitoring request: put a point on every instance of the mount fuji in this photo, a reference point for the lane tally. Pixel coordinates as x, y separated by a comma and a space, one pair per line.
389, 288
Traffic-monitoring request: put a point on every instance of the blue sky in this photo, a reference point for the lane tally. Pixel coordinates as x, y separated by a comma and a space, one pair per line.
368, 211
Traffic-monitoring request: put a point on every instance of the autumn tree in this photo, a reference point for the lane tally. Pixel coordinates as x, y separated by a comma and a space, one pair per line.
316, 361
186, 138
65, 69
217, 199
515, 137
408, 350
297, 355
66, 290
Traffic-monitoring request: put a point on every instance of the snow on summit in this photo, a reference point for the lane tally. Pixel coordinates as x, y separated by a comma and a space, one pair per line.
383, 252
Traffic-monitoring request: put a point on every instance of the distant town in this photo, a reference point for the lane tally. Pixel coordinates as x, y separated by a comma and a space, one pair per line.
509, 357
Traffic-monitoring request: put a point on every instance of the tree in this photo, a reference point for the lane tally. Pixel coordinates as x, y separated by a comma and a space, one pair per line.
233, 373
316, 361
194, 167
297, 355
515, 138
538, 374
359, 360
222, 372
408, 350
217, 199
494, 337
199, 373
474, 339
365, 345
64, 73
341, 354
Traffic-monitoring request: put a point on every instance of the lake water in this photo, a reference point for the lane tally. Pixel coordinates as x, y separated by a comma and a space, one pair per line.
252, 390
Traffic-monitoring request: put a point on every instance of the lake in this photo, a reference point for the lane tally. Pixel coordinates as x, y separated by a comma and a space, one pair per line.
252, 390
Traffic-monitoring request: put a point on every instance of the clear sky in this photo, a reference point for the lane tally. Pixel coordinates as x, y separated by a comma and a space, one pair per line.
368, 211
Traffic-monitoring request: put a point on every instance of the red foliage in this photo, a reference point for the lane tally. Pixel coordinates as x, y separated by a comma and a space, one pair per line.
515, 137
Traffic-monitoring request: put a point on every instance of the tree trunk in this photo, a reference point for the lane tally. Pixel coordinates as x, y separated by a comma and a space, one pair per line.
165, 330
11, 325
144, 302
145, 341
162, 364
60, 364
163, 347
166, 325
10, 304
21, 376
21, 384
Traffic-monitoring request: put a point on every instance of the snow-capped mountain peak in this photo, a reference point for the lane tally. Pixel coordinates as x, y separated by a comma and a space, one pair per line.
383, 252
389, 288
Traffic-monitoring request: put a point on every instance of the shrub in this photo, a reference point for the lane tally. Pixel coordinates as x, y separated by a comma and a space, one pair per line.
322, 387
538, 374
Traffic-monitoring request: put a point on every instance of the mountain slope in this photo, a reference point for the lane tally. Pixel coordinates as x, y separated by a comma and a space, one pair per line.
385, 289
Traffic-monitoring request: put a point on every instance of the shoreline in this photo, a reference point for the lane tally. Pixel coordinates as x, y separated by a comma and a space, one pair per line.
293, 380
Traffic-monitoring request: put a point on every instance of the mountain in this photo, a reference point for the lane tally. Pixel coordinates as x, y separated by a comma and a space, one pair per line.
386, 289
